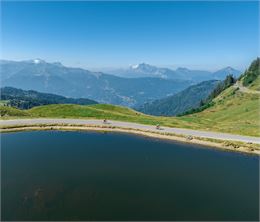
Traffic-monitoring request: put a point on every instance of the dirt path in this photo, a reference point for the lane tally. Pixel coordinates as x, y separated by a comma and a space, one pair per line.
244, 89
128, 125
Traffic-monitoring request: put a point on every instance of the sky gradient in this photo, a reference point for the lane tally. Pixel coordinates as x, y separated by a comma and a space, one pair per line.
207, 35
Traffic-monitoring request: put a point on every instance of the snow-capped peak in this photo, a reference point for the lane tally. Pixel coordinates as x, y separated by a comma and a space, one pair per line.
143, 66
135, 66
37, 61
146, 70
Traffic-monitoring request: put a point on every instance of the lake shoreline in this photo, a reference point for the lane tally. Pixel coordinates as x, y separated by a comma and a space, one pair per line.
232, 146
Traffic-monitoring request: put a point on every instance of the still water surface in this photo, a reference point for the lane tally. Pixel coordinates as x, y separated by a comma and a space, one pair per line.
51, 175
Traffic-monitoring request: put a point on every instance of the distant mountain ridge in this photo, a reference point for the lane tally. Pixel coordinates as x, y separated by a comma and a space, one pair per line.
180, 102
80, 83
146, 70
26, 99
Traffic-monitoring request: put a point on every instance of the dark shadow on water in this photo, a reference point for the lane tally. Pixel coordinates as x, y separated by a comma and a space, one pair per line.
53, 175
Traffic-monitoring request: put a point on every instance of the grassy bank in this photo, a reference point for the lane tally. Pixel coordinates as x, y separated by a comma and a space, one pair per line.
233, 146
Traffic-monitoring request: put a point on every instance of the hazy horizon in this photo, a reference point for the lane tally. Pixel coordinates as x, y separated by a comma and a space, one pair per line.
107, 69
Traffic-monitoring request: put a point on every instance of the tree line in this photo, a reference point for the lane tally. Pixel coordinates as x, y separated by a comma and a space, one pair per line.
208, 102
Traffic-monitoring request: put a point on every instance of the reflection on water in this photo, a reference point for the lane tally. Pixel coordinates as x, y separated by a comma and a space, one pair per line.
110, 176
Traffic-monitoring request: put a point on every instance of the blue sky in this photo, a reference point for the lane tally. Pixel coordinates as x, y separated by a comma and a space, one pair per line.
208, 35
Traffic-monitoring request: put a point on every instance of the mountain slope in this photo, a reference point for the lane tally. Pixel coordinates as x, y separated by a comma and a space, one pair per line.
79, 83
27, 99
251, 78
208, 101
97, 111
180, 102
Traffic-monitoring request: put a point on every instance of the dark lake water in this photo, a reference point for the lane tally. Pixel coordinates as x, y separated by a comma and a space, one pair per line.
51, 175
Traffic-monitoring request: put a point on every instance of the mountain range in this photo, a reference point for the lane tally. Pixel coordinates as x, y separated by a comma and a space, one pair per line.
146, 70
150, 82
80, 83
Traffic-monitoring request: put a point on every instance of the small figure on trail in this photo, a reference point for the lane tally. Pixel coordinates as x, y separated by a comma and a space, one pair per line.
105, 121
158, 126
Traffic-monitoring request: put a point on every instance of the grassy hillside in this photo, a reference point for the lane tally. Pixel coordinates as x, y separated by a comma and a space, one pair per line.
98, 111
101, 111
233, 111
255, 85
6, 111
